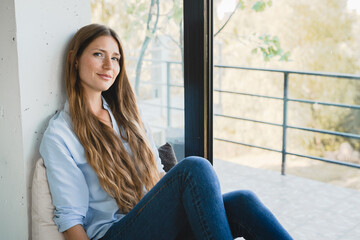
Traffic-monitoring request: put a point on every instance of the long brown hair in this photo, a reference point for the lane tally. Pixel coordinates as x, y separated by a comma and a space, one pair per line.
121, 175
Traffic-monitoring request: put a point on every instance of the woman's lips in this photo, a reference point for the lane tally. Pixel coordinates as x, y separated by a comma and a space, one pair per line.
105, 76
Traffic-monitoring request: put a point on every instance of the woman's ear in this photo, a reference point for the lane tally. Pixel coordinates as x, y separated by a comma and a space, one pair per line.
70, 57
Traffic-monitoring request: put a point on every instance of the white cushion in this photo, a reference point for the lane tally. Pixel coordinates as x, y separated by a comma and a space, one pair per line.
42, 210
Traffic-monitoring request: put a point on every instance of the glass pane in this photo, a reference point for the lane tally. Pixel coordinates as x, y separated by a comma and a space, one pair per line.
152, 36
313, 47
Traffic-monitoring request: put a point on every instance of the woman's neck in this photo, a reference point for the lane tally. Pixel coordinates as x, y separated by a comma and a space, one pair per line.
95, 103
96, 107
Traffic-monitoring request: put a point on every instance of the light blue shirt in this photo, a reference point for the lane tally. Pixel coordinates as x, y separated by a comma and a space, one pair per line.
76, 193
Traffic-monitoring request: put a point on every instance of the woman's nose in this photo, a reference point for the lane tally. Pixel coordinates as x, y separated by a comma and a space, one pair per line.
107, 64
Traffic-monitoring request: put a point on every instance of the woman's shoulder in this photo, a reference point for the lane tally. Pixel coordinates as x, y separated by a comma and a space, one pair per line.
59, 125
59, 130
59, 137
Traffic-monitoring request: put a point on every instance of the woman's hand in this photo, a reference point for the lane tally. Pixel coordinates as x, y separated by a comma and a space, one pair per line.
76, 232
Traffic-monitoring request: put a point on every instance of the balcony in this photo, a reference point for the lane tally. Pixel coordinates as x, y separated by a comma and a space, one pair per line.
308, 209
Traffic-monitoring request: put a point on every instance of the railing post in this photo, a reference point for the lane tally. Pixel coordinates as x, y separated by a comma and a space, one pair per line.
168, 100
283, 162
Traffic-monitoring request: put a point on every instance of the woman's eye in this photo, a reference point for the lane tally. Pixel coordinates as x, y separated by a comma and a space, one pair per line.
97, 54
115, 59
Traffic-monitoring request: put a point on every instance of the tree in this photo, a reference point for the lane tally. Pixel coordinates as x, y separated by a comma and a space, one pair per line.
171, 11
150, 32
321, 36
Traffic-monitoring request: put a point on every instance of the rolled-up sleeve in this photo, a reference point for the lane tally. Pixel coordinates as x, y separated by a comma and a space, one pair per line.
69, 190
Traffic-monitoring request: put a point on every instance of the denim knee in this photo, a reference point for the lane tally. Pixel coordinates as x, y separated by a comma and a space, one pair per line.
243, 197
198, 167
248, 195
196, 163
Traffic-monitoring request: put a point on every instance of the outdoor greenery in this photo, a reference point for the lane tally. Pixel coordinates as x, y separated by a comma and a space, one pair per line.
303, 35
318, 36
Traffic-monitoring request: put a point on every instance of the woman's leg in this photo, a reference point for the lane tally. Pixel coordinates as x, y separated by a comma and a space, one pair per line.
250, 219
189, 193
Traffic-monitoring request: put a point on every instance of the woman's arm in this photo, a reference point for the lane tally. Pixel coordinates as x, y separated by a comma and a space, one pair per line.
68, 186
76, 232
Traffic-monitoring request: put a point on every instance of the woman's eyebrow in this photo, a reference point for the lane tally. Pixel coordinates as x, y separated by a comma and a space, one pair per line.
104, 51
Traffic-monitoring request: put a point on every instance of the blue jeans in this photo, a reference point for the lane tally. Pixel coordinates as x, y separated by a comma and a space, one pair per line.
187, 204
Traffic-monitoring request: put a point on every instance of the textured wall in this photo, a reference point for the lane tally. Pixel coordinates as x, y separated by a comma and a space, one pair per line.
33, 39
12, 172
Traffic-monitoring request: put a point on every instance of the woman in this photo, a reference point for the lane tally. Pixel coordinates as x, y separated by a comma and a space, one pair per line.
104, 172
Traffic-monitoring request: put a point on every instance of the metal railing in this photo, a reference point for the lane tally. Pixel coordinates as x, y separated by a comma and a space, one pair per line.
285, 100
284, 124
168, 84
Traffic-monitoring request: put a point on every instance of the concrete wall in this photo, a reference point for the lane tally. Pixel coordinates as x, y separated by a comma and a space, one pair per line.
33, 39
12, 172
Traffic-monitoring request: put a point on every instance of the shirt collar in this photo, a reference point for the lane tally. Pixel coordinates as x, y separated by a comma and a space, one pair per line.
104, 103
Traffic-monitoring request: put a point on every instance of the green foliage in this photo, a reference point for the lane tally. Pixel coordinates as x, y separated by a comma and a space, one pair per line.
260, 6
271, 48
285, 56
307, 35
241, 5
131, 9
177, 12
316, 35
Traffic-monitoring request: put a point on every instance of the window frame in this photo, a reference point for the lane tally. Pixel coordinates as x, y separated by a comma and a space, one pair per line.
198, 75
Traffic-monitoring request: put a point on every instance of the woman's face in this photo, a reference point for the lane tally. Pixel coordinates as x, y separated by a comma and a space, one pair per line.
98, 65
